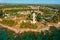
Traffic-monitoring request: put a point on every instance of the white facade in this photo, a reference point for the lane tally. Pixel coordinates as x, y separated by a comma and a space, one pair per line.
34, 19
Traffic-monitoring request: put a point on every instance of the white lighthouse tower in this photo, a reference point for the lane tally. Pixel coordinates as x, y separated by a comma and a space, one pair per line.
33, 18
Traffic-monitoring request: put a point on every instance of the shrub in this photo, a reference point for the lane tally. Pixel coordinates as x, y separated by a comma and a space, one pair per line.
9, 22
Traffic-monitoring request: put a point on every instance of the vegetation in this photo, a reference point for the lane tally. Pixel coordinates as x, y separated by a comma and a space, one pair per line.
29, 17
52, 18
27, 25
52, 34
8, 22
34, 26
1, 14
38, 18
50, 15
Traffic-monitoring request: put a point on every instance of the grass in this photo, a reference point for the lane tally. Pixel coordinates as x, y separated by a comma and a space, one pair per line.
34, 26
8, 22
27, 25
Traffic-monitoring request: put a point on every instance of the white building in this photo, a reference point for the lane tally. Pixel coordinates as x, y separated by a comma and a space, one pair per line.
34, 21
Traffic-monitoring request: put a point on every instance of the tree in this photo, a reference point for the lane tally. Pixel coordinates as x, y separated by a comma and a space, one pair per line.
29, 17
38, 18
1, 14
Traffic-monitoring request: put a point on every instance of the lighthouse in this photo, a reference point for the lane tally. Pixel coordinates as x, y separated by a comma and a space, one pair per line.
34, 21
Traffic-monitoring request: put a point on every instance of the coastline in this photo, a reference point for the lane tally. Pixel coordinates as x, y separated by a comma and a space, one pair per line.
24, 30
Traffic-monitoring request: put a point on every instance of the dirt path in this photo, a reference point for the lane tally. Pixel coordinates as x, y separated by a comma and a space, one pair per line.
24, 30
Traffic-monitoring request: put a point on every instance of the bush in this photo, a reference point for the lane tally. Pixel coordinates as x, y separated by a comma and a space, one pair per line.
1, 14
34, 26
29, 17
9, 22
38, 18
27, 25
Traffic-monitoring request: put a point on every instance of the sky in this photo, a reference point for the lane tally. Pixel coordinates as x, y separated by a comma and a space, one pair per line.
31, 1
